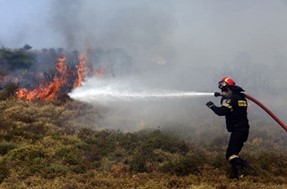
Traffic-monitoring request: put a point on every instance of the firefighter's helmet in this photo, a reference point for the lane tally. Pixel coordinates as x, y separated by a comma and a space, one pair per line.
225, 82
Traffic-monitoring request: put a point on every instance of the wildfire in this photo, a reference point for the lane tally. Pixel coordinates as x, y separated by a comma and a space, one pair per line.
60, 83
50, 90
81, 70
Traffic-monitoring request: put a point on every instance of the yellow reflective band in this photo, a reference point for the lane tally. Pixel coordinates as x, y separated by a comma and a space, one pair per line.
242, 103
232, 157
227, 105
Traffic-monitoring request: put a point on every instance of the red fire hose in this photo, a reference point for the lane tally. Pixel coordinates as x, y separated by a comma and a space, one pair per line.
268, 111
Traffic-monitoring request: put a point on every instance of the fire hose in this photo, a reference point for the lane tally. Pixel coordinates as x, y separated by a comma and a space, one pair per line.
283, 125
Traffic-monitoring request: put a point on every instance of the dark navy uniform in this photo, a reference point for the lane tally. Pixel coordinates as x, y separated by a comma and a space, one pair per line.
234, 108
235, 111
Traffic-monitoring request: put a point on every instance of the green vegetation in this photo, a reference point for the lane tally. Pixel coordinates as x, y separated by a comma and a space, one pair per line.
49, 145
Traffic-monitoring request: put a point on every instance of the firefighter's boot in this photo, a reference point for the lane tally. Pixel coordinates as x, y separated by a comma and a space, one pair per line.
236, 172
237, 165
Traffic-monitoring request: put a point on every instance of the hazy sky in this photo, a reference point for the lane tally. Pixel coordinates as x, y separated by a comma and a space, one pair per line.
25, 22
211, 25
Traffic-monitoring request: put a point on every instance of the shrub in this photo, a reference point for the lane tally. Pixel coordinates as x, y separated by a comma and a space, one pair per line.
138, 163
55, 170
26, 161
158, 140
269, 163
68, 154
4, 170
27, 153
16, 59
5, 147
105, 141
90, 152
8, 91
184, 165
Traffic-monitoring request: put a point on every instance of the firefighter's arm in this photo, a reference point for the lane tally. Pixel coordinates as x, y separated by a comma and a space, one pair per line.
221, 111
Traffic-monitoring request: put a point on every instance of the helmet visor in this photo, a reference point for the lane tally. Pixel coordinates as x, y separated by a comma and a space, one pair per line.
222, 84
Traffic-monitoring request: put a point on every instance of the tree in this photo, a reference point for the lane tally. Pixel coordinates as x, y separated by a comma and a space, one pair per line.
11, 60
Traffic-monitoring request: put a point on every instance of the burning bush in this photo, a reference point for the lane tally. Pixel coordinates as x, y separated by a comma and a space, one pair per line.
50, 90
52, 73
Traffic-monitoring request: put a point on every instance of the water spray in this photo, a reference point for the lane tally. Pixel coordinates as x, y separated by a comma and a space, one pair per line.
110, 90
281, 123
106, 94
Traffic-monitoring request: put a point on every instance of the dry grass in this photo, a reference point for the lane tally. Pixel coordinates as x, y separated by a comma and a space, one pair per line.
48, 145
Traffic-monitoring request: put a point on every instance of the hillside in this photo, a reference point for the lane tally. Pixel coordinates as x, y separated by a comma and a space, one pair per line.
54, 145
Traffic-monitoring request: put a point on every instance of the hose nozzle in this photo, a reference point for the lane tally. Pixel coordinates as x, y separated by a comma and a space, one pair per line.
216, 94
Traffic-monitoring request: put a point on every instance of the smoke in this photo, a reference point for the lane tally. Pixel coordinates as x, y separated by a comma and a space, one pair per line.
190, 39
186, 46
172, 46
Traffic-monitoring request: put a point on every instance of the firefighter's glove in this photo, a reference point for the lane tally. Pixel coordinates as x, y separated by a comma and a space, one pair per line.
210, 104
216, 94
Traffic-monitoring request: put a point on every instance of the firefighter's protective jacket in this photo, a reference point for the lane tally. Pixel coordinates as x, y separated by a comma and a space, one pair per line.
235, 111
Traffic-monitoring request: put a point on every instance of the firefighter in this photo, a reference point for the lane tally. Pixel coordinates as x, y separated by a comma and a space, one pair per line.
234, 108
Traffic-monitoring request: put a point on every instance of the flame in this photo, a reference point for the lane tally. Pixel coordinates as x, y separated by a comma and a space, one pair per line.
61, 66
51, 90
81, 70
